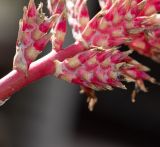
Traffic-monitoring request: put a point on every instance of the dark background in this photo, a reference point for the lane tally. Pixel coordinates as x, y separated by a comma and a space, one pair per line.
51, 113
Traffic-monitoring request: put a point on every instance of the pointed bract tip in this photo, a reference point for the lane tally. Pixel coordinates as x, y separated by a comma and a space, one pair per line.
40, 6
31, 2
48, 23
24, 9
31, 9
141, 85
152, 80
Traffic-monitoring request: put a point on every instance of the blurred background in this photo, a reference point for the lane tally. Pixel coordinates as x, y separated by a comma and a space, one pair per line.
52, 113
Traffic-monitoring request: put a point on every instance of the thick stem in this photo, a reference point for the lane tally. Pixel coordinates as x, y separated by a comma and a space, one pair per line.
15, 80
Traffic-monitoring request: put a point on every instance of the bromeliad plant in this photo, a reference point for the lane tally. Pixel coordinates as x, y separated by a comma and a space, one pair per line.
94, 61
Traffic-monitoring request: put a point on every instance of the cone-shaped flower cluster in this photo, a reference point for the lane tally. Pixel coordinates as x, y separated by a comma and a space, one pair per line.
135, 23
33, 36
102, 70
146, 36
131, 22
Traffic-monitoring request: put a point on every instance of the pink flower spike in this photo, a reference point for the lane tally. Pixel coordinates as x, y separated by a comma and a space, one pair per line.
33, 36
101, 74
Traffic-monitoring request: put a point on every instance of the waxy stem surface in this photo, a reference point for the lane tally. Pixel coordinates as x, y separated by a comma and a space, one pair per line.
15, 80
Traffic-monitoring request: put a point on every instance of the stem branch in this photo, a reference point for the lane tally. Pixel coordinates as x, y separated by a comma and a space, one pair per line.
15, 80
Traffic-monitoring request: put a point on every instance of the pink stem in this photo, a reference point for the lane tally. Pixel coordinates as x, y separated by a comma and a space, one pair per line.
15, 80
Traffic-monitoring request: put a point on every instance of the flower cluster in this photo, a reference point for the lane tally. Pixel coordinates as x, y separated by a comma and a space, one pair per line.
131, 22
94, 61
102, 70
33, 36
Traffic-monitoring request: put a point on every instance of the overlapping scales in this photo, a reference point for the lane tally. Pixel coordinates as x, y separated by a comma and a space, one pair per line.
33, 36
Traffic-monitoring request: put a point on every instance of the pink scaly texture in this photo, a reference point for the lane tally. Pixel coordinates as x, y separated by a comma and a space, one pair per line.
102, 70
32, 36
60, 29
78, 16
107, 28
94, 61
129, 22
123, 22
